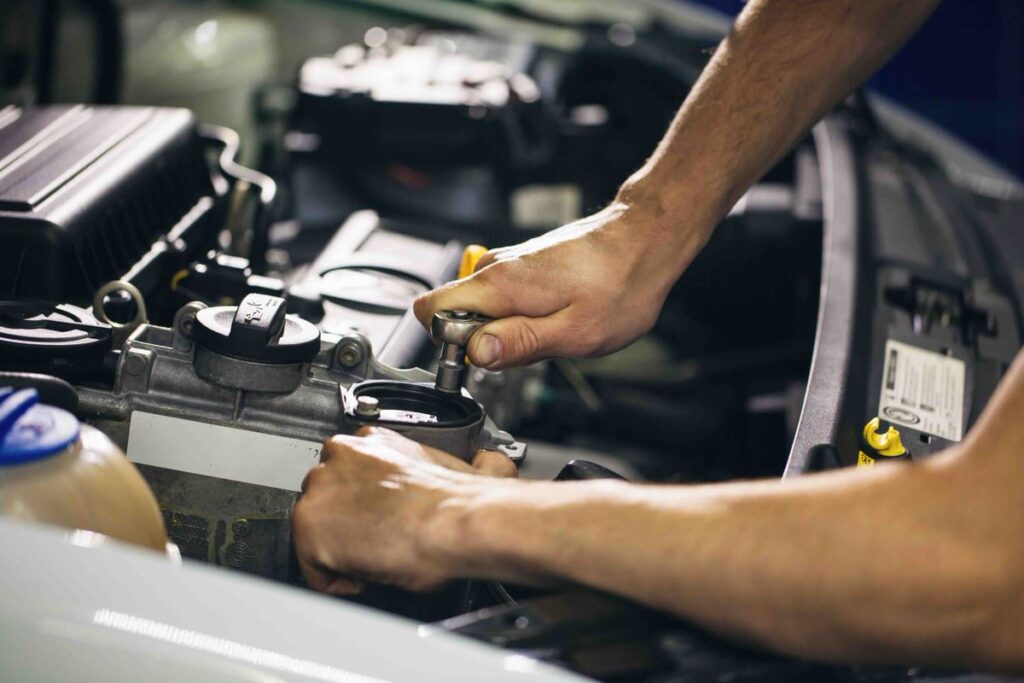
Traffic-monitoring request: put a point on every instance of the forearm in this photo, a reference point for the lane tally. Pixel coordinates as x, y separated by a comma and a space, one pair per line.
844, 567
785, 63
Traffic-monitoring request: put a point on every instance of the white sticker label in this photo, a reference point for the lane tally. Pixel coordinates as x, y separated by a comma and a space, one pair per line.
182, 445
924, 390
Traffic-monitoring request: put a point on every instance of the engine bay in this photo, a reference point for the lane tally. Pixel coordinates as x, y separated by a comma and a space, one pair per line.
219, 319
183, 294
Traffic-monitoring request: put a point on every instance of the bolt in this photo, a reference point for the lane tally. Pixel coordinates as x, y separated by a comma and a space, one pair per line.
186, 325
240, 528
368, 407
350, 354
135, 365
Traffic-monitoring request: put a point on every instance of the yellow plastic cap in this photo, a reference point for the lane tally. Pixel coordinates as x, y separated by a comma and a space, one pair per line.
470, 257
885, 444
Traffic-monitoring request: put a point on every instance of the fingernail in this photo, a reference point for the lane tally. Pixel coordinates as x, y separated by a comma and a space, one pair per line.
488, 351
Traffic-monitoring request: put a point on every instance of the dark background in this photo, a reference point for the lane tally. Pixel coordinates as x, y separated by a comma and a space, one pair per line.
963, 70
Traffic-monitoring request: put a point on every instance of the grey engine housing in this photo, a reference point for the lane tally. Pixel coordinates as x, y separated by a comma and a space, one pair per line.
226, 411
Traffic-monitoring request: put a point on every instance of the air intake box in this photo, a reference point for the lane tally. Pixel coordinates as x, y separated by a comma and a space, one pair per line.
93, 194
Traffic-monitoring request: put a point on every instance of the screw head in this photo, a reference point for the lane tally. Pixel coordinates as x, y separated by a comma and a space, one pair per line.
368, 407
135, 365
350, 354
240, 528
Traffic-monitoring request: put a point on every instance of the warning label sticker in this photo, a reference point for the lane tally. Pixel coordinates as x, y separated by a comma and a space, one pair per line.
924, 390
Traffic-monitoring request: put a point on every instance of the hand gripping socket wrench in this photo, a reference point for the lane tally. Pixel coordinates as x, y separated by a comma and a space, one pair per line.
453, 329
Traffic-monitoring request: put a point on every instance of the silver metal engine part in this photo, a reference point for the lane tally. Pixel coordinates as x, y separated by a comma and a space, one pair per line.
226, 411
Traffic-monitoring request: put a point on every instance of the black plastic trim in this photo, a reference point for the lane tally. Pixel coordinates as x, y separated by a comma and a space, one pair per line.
829, 377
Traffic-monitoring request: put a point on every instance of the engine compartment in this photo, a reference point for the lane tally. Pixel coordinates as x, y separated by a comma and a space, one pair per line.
219, 301
237, 314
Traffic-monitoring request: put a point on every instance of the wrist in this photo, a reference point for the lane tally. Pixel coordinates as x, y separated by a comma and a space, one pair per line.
658, 237
458, 534
681, 205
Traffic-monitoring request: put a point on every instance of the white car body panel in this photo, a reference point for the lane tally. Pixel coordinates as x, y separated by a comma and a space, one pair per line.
76, 606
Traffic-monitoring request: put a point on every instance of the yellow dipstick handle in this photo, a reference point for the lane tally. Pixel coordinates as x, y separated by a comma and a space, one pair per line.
470, 257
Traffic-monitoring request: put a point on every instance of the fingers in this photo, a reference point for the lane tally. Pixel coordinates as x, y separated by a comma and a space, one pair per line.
488, 463
487, 259
343, 585
475, 293
494, 464
315, 471
520, 340
327, 581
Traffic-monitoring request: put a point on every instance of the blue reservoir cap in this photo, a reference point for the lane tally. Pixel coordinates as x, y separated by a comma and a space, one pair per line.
30, 430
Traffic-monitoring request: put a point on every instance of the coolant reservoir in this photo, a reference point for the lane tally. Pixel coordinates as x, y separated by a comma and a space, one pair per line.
54, 470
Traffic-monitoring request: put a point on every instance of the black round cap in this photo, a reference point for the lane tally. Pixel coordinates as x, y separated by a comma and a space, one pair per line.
259, 330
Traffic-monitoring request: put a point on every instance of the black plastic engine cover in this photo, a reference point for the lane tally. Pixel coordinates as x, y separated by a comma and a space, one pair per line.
93, 194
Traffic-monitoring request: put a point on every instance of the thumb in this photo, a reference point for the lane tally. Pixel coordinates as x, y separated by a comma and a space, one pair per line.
517, 340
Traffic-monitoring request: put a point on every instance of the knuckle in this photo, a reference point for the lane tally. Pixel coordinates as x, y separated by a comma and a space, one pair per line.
488, 277
302, 522
506, 469
421, 307
312, 479
486, 260
335, 444
525, 341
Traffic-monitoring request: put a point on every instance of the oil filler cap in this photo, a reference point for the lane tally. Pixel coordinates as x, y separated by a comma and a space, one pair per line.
258, 329
30, 430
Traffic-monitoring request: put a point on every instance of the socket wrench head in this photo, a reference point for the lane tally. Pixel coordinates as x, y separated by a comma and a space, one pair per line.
456, 327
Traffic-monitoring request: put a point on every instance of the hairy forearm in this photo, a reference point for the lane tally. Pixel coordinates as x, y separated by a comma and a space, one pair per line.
844, 567
916, 564
785, 63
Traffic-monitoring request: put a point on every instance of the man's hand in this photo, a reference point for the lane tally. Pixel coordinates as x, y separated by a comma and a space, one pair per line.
366, 508
585, 289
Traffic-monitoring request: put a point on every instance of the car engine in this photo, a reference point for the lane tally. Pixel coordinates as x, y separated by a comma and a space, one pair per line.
218, 320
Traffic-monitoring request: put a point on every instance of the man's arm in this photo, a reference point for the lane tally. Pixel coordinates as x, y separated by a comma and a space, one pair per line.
919, 564
913, 563
783, 66
595, 285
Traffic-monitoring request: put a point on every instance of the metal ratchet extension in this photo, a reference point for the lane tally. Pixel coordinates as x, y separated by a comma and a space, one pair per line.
453, 329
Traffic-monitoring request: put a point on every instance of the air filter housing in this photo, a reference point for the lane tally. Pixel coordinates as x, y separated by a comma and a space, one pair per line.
93, 194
